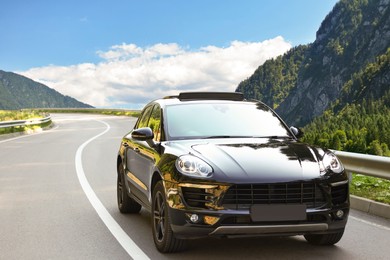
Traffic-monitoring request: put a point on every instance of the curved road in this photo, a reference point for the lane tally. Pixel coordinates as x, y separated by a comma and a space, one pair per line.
58, 201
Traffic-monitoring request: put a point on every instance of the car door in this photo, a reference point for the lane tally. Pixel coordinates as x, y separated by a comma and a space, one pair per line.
140, 156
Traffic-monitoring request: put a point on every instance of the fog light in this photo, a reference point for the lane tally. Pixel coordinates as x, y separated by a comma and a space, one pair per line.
194, 218
209, 220
340, 214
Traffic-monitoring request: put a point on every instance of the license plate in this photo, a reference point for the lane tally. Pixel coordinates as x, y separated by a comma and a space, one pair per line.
277, 212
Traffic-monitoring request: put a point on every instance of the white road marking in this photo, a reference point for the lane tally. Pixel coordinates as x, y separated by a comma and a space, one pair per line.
370, 223
126, 242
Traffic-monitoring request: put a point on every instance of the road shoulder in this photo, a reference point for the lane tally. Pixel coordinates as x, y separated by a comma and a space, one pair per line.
370, 206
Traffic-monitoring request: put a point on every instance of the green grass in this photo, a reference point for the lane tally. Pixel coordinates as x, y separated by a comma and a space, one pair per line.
10, 115
371, 188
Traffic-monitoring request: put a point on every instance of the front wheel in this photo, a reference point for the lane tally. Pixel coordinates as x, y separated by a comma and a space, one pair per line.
163, 236
325, 239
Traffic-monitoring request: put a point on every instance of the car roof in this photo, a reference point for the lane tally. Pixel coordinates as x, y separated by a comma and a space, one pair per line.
191, 97
186, 96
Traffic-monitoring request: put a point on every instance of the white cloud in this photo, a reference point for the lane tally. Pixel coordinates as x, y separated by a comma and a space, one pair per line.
129, 75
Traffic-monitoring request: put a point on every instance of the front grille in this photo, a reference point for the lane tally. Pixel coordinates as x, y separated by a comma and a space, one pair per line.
242, 196
339, 194
195, 197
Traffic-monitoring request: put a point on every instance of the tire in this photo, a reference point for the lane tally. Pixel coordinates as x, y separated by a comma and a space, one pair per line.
125, 203
163, 236
325, 239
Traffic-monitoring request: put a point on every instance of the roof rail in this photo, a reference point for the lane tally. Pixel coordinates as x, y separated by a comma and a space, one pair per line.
169, 97
234, 96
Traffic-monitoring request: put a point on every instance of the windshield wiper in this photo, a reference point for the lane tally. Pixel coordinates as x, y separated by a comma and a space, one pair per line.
225, 136
276, 137
217, 136
246, 136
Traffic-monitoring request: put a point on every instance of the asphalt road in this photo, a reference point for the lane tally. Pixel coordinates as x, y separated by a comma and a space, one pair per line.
58, 201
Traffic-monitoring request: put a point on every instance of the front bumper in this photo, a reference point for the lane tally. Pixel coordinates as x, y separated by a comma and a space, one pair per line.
204, 210
230, 224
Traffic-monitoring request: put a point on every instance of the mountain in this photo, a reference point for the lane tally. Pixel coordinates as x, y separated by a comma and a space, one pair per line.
358, 121
17, 91
342, 66
273, 81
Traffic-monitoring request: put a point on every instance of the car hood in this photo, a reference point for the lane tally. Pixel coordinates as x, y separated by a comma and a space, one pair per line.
259, 161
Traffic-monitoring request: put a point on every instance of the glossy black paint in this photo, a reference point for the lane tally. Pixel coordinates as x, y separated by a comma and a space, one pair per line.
142, 134
254, 160
148, 155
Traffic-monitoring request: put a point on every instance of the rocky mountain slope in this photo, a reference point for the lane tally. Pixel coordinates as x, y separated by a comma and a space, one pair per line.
309, 79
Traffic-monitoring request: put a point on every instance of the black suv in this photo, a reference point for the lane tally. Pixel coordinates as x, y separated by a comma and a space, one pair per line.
215, 164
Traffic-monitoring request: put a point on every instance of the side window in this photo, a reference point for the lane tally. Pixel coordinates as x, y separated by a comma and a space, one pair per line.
155, 122
143, 121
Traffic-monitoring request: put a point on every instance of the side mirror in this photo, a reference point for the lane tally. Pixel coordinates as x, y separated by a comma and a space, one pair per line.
144, 134
296, 131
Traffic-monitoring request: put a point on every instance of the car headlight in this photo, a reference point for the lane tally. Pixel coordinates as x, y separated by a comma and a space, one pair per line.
332, 163
193, 166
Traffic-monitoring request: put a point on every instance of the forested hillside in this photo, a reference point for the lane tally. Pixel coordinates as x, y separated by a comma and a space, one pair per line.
18, 92
361, 128
304, 82
362, 124
339, 85
273, 81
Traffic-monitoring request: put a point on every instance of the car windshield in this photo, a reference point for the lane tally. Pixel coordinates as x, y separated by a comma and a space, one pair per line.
222, 120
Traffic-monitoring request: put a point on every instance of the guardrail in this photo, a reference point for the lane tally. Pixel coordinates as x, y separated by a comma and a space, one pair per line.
366, 164
35, 121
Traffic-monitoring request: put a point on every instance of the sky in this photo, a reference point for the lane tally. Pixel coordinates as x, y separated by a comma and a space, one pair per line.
125, 53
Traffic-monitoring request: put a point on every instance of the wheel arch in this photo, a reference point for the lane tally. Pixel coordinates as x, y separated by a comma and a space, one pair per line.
156, 178
119, 160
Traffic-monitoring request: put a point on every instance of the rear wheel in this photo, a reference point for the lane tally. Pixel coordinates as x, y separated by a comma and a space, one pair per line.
125, 203
324, 239
163, 236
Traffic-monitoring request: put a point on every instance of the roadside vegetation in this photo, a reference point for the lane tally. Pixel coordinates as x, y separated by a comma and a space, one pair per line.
13, 115
10, 115
371, 188
113, 112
